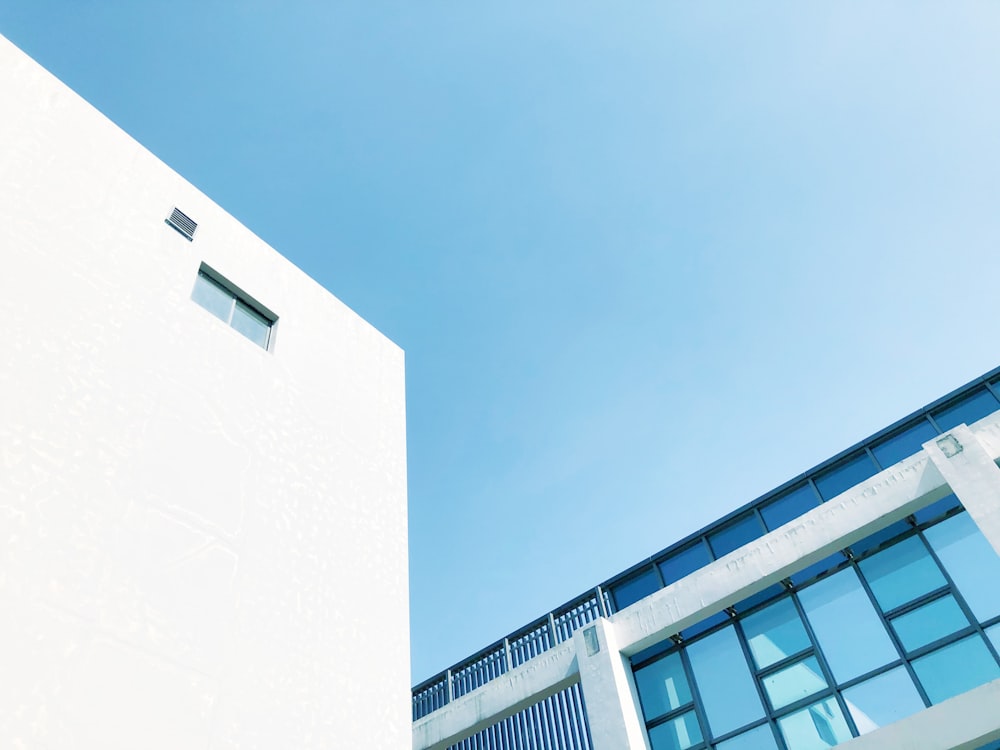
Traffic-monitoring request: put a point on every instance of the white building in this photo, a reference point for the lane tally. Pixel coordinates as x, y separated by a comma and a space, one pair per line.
202, 464
857, 605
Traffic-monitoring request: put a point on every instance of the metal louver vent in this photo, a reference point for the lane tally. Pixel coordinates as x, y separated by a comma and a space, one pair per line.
183, 223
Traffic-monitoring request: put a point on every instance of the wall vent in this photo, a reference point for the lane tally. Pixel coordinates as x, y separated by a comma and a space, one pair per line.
182, 223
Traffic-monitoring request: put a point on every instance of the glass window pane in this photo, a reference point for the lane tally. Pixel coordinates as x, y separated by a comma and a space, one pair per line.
775, 633
929, 623
759, 598
820, 726
255, 327
901, 573
635, 588
676, 734
936, 509
662, 686
684, 563
705, 625
993, 633
727, 689
880, 537
735, 535
955, 668
970, 561
883, 700
895, 448
846, 625
758, 738
827, 563
967, 410
789, 506
794, 682
213, 298
835, 480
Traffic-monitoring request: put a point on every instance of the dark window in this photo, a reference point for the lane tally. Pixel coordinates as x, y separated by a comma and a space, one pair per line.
635, 588
845, 475
735, 535
789, 506
905, 443
967, 410
685, 562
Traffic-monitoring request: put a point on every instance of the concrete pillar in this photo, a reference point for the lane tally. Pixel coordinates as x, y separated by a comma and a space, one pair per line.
608, 690
972, 475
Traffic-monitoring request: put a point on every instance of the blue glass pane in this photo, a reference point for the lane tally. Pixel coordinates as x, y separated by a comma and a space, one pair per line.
827, 563
939, 508
993, 633
883, 700
759, 598
842, 477
967, 410
635, 588
844, 621
929, 623
957, 667
880, 537
970, 561
895, 448
794, 682
735, 535
255, 327
213, 298
684, 563
662, 686
676, 734
789, 506
775, 633
704, 625
758, 738
820, 726
901, 573
723, 678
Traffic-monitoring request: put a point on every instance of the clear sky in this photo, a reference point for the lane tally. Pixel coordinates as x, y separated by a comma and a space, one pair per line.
647, 260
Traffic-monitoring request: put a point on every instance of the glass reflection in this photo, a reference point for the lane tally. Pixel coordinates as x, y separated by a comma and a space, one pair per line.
845, 624
789, 506
794, 683
932, 621
967, 410
676, 734
685, 562
662, 686
845, 475
735, 535
883, 700
895, 448
820, 726
901, 573
775, 633
213, 298
970, 561
723, 678
955, 668
635, 589
758, 738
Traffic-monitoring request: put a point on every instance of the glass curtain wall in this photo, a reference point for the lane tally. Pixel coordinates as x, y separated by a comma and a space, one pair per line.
890, 627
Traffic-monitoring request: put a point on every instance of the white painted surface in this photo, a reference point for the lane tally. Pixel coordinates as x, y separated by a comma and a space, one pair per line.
202, 544
609, 690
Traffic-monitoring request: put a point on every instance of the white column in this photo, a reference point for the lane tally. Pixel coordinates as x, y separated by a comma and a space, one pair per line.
972, 475
608, 690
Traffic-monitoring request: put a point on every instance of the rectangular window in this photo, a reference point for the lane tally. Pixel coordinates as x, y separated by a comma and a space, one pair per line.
234, 308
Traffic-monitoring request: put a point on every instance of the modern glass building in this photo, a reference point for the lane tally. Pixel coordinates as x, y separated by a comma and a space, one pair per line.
857, 603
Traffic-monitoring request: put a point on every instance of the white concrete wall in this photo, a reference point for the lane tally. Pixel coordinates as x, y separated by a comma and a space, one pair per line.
202, 543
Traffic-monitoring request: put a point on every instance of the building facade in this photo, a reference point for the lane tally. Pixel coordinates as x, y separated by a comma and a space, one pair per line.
202, 464
857, 604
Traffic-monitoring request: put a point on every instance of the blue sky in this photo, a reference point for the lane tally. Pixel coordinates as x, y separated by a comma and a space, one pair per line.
647, 260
